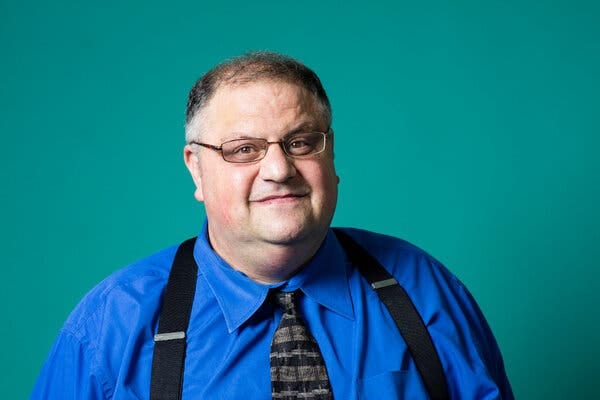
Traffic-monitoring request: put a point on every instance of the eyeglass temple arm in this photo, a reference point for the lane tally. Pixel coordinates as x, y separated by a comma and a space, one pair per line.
208, 146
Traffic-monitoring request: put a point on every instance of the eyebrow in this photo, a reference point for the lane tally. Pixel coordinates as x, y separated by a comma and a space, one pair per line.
308, 126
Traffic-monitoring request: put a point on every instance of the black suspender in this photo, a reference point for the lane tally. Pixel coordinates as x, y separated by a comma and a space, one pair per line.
166, 382
169, 343
407, 318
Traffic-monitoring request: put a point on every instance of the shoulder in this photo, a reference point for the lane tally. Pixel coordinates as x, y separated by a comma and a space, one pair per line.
125, 295
381, 242
457, 326
412, 266
106, 332
436, 292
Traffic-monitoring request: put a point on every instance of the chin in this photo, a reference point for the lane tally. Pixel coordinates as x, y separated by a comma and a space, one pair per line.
289, 234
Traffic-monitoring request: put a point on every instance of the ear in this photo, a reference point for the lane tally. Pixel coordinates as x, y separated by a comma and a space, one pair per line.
333, 154
193, 165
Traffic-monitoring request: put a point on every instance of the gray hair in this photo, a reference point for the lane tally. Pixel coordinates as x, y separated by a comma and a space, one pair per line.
252, 67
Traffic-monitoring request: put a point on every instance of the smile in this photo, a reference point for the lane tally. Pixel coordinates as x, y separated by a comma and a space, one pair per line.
280, 199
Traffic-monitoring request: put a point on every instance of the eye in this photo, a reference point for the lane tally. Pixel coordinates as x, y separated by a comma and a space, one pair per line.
302, 144
298, 143
245, 148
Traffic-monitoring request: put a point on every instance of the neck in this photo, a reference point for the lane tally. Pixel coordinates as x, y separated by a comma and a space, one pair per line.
266, 262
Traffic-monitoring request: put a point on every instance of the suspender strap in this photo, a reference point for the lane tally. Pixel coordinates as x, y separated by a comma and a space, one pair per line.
170, 341
166, 382
404, 313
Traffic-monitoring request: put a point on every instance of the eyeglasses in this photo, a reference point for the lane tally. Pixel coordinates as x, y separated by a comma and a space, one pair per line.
297, 145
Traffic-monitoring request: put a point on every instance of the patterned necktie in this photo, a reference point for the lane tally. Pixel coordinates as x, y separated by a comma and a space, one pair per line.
297, 367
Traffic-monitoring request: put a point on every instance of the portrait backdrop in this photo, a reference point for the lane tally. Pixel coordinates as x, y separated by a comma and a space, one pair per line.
467, 128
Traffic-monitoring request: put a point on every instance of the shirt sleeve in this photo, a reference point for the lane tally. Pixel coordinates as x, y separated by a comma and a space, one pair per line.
487, 347
70, 372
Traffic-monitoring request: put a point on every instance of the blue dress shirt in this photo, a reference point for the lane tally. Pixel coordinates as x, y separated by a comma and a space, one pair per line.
104, 350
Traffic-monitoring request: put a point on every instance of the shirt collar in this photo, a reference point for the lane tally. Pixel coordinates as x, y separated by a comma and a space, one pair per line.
324, 279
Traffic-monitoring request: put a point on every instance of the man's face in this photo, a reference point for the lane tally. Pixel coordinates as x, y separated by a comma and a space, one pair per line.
277, 200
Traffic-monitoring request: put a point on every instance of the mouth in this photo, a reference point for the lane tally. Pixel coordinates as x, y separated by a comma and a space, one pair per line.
280, 199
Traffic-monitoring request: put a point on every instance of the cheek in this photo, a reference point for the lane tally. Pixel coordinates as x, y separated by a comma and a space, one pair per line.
226, 189
323, 182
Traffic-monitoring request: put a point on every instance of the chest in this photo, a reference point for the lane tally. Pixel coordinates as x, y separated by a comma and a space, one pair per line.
364, 355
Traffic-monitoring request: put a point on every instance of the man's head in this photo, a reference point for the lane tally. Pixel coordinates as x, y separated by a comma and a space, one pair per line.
265, 217
251, 67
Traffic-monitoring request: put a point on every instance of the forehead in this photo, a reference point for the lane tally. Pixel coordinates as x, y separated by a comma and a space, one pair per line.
260, 107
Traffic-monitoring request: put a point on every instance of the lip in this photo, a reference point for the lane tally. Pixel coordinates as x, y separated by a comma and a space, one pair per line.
283, 198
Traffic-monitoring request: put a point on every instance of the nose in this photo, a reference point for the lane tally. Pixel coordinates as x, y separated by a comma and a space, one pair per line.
276, 165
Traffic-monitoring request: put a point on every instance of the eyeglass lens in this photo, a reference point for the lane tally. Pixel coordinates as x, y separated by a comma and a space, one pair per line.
298, 145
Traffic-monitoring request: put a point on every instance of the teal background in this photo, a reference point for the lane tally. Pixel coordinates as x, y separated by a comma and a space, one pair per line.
468, 128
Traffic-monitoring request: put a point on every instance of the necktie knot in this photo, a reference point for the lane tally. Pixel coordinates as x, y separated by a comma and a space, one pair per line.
287, 301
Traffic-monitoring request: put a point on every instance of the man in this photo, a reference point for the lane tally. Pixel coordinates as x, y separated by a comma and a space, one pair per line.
260, 152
